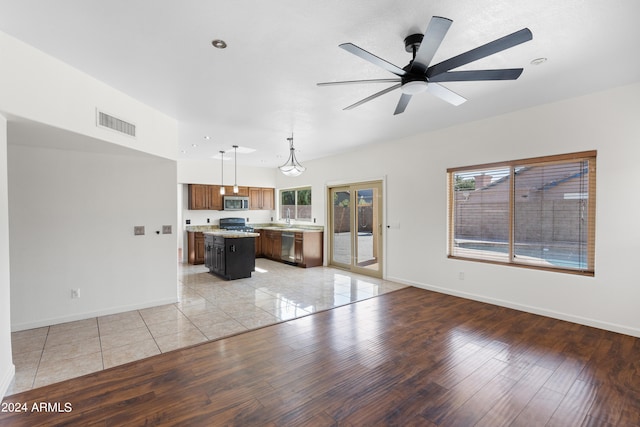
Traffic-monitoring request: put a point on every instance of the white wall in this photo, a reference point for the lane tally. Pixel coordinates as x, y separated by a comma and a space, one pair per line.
71, 218
43, 89
73, 203
416, 197
71, 212
7, 369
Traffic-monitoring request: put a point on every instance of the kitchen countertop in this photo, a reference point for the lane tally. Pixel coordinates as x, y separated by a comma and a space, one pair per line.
215, 228
292, 229
231, 234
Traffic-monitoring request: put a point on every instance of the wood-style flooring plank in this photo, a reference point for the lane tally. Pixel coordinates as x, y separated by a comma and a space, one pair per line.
410, 357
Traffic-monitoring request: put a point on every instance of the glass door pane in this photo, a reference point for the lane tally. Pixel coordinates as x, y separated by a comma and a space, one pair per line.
356, 227
341, 227
367, 223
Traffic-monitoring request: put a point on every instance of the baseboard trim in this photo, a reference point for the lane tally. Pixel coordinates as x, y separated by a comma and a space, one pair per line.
87, 315
608, 326
7, 378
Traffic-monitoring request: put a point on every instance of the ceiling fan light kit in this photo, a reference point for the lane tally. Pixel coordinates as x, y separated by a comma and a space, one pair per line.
292, 167
413, 87
420, 76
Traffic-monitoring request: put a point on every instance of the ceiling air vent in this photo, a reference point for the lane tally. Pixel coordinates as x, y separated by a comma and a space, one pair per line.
108, 121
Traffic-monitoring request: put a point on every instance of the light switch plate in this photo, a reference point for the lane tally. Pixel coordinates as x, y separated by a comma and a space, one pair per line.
138, 230
166, 229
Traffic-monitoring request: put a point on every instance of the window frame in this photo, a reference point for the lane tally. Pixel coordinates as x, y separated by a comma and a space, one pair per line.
295, 210
589, 156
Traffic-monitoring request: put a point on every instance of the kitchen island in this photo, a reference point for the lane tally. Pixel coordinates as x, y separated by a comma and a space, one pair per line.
230, 254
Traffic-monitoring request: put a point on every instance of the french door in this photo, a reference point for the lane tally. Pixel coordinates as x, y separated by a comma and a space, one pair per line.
355, 227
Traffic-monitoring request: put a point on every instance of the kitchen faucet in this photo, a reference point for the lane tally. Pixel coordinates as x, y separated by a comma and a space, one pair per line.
288, 216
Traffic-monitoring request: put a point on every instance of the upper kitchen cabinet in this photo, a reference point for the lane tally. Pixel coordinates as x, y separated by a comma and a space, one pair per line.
198, 196
208, 197
261, 198
242, 191
205, 197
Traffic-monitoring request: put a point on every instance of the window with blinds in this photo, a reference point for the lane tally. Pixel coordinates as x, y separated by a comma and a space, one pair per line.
537, 213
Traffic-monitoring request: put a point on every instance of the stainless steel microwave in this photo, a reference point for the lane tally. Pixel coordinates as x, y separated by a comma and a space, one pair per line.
235, 203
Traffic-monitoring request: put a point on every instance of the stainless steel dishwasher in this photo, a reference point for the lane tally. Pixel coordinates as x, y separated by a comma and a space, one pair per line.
288, 247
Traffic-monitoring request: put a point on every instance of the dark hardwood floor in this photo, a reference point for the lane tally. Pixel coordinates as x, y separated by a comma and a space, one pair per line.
410, 357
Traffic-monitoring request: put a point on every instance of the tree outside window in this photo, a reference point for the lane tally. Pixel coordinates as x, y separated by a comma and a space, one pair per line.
296, 204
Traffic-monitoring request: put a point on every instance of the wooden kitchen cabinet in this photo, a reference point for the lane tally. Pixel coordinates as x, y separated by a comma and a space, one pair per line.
308, 249
259, 240
261, 198
208, 197
195, 247
198, 196
271, 244
242, 191
205, 197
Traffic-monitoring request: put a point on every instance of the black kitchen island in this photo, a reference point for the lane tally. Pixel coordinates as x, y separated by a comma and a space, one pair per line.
230, 254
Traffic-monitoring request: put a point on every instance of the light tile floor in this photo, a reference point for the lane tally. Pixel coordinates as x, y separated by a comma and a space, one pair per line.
208, 308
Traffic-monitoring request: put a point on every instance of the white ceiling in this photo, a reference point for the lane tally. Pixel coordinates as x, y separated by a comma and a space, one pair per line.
262, 88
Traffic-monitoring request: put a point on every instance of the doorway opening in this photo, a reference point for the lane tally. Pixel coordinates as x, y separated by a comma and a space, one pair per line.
355, 227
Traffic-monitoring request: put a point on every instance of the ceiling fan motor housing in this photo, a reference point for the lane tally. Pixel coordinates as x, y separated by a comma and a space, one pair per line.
412, 42
413, 83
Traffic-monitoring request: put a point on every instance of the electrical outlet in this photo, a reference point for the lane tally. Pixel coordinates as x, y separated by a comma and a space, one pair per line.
461, 275
75, 293
188, 221
208, 220
166, 229
138, 230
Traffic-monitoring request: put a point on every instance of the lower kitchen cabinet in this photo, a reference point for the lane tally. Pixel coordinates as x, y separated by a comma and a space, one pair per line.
230, 258
195, 247
308, 249
272, 245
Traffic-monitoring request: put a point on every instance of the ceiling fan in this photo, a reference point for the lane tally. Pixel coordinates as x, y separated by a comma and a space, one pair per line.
419, 76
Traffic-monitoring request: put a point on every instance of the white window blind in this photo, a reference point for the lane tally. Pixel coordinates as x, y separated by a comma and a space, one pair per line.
532, 212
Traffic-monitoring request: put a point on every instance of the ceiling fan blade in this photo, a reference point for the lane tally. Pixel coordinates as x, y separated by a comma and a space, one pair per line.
350, 47
433, 36
477, 75
375, 95
359, 81
490, 48
402, 103
445, 94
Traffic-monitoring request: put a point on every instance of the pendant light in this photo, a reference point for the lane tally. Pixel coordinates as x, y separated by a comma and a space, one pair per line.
292, 167
221, 173
235, 170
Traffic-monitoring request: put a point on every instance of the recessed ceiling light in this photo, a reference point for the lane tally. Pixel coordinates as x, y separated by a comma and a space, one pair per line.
219, 44
538, 61
207, 137
194, 145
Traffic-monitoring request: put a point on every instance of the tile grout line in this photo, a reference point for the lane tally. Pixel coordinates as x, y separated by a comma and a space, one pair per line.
100, 341
33, 383
150, 333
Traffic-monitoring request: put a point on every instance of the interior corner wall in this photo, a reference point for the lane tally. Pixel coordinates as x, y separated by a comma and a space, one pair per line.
43, 89
71, 226
416, 203
7, 369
